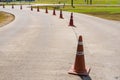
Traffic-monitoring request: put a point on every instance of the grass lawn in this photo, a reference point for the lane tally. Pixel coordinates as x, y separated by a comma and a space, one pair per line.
112, 13
80, 1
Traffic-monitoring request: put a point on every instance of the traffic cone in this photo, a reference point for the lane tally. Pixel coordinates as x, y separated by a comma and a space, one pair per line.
61, 16
71, 20
46, 11
79, 66
31, 8
54, 12
3, 6
38, 9
12, 6
20, 7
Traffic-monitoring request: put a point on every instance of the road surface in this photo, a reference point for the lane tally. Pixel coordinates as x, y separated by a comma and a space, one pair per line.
39, 46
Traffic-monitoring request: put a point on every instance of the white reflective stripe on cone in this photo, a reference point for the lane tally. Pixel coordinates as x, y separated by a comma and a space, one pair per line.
80, 43
80, 53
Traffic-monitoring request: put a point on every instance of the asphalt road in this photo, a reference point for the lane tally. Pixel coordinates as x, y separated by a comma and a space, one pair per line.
39, 46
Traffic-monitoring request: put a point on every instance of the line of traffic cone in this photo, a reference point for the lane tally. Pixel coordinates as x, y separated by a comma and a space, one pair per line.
12, 6
31, 8
38, 9
46, 10
79, 67
54, 13
3, 5
61, 15
20, 7
71, 23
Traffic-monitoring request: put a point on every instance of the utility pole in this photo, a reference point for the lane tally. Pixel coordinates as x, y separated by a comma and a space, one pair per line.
87, 1
91, 2
72, 3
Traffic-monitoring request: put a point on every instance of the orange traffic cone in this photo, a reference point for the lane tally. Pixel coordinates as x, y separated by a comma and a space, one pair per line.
3, 6
71, 20
31, 8
54, 12
12, 6
38, 9
61, 16
46, 11
20, 7
79, 66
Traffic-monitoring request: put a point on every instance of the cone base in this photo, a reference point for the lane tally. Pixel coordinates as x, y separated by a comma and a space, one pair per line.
61, 18
72, 25
72, 71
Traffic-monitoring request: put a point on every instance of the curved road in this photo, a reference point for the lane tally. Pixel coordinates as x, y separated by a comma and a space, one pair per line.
39, 46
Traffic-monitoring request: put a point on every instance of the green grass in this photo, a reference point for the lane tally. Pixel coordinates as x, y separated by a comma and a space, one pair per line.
105, 15
85, 9
112, 13
80, 1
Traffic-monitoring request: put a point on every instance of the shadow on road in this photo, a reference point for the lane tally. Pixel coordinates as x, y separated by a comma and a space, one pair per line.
85, 77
